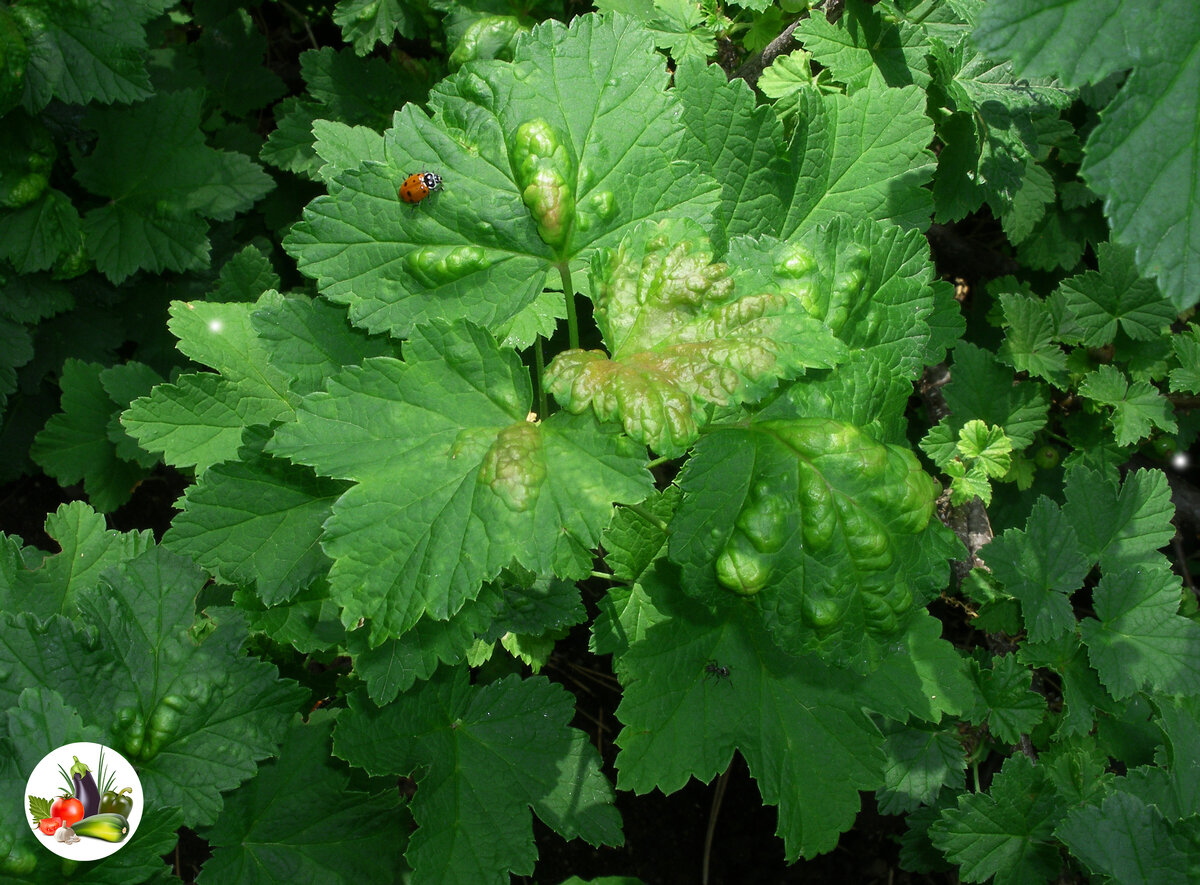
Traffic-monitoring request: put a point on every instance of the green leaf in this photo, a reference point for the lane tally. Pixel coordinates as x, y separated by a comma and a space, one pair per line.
863, 48
486, 755
1083, 695
1137, 408
1119, 527
813, 519
300, 814
398, 663
796, 721
864, 391
1115, 297
1125, 840
83, 52
41, 718
175, 700
532, 180
356, 92
1080, 41
1178, 718
626, 613
1139, 640
256, 522
75, 445
736, 141
870, 282
680, 339
637, 534
1006, 833
981, 388
1002, 129
920, 761
194, 714
967, 483
862, 156
1078, 770
200, 418
231, 53
920, 676
1007, 702
35, 236
308, 621
1134, 159
367, 22
308, 340
454, 479
1186, 378
245, 276
194, 422
1029, 339
46, 584
162, 181
986, 446
1041, 566
677, 25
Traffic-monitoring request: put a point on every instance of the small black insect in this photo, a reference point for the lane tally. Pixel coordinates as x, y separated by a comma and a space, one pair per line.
716, 671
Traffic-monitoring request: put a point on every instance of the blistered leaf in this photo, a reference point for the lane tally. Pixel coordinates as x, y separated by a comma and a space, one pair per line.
813, 515
680, 338
544, 159
455, 478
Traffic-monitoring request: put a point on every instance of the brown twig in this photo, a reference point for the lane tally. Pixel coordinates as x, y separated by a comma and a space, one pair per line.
753, 67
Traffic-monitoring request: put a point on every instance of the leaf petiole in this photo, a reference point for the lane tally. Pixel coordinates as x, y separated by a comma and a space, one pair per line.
564, 271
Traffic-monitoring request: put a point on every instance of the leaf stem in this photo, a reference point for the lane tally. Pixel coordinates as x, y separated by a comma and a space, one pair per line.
604, 575
918, 14
718, 795
647, 515
564, 271
539, 361
662, 460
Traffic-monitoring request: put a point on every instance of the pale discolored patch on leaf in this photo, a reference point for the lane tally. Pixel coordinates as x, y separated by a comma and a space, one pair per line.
681, 339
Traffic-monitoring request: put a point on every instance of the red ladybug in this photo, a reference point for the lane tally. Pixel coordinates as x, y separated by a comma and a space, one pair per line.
419, 185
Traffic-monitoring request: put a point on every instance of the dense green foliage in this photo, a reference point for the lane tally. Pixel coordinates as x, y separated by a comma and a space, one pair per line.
654, 364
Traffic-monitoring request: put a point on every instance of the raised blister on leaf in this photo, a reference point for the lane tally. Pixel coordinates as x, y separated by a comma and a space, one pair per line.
681, 338
490, 36
828, 300
645, 402
598, 207
823, 608
437, 265
866, 540
765, 523
742, 568
818, 514
515, 466
810, 516
543, 172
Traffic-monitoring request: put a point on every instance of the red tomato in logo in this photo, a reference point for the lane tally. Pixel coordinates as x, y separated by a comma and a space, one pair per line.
68, 809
